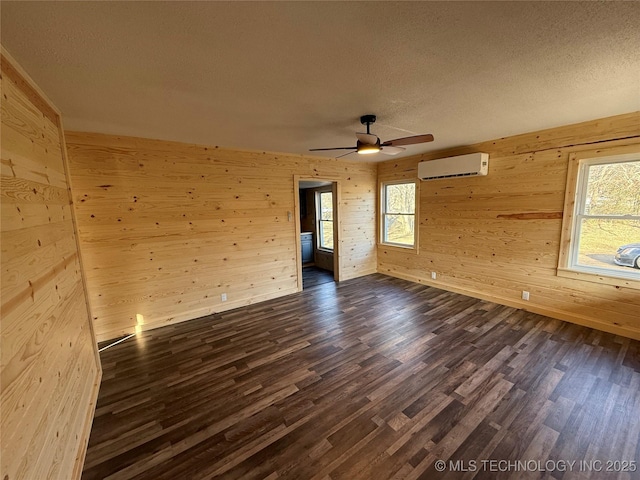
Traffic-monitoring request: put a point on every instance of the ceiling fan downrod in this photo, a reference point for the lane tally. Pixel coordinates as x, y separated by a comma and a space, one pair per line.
368, 120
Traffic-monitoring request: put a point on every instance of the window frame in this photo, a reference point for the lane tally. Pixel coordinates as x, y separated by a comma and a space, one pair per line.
320, 220
575, 200
383, 212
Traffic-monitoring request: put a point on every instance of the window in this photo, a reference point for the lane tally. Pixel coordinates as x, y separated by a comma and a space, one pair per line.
603, 227
325, 220
399, 214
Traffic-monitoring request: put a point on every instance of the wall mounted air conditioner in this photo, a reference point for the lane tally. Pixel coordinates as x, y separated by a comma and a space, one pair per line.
461, 166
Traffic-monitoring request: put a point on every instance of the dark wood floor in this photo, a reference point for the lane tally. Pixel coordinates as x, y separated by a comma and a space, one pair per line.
312, 276
373, 378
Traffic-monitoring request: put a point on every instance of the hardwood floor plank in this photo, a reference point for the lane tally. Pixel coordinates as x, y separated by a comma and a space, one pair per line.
372, 378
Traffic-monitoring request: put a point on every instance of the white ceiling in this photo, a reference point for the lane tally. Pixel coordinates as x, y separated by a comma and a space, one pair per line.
289, 76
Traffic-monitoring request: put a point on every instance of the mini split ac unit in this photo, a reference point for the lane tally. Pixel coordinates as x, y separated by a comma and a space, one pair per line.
461, 166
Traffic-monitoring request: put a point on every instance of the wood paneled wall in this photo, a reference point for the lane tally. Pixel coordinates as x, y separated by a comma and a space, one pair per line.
165, 228
50, 369
493, 237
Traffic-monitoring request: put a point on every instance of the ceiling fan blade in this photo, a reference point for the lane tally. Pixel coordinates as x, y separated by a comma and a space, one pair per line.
389, 150
334, 148
409, 140
367, 138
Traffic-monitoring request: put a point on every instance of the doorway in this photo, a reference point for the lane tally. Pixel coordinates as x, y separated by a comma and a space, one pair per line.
317, 231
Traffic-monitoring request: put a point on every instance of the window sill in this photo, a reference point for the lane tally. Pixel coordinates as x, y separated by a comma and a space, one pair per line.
400, 248
324, 250
602, 278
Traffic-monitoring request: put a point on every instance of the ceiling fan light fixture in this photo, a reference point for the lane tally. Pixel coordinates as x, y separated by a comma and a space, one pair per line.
366, 149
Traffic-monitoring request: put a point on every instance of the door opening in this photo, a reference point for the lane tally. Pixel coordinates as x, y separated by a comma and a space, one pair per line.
317, 231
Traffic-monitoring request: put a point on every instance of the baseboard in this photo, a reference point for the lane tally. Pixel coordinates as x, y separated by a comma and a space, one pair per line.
197, 313
358, 274
522, 305
88, 423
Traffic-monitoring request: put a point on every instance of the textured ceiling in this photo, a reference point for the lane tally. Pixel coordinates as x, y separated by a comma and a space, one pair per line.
289, 76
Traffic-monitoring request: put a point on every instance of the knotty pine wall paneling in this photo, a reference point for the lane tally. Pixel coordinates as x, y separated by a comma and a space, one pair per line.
50, 369
165, 228
493, 237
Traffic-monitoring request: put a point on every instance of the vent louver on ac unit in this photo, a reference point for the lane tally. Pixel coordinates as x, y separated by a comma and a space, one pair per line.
461, 166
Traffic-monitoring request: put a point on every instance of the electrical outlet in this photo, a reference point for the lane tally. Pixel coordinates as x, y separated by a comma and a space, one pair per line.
525, 295
433, 275
223, 297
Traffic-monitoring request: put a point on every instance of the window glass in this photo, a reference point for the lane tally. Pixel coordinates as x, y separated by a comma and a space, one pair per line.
606, 223
398, 216
326, 220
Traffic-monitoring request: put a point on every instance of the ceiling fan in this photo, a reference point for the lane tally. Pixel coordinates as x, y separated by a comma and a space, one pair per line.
369, 143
